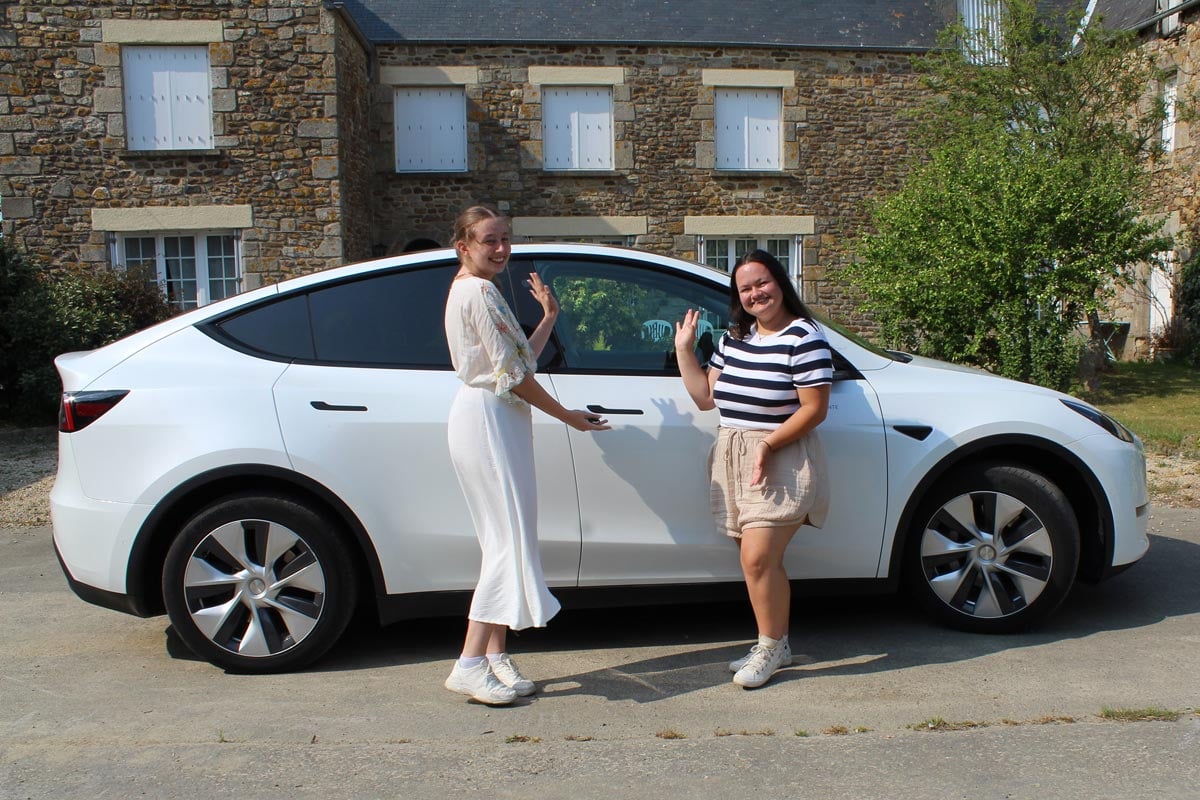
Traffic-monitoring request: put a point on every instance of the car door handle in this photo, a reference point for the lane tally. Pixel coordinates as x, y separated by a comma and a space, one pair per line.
598, 409
321, 405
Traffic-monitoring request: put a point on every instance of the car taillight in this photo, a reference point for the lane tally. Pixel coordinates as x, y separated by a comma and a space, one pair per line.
80, 409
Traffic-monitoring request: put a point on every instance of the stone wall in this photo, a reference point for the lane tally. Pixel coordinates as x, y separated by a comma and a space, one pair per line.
276, 137
844, 134
1175, 178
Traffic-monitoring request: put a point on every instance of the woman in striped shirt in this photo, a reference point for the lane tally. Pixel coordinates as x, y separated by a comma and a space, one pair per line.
770, 379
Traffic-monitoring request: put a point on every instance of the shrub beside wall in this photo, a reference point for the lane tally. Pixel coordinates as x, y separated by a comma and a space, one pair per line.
42, 315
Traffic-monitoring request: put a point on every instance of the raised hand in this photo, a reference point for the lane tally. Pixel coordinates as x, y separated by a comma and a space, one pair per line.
685, 331
541, 292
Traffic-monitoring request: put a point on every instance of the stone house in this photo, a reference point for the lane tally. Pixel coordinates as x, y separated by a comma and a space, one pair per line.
1170, 30
227, 143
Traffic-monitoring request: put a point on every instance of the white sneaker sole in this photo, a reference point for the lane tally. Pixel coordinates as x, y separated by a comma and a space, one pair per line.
478, 698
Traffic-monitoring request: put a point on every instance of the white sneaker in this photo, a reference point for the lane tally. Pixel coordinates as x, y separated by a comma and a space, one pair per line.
480, 685
786, 661
507, 673
764, 661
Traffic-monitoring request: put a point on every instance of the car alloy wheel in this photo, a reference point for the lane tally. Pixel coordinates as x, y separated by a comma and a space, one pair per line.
997, 549
258, 584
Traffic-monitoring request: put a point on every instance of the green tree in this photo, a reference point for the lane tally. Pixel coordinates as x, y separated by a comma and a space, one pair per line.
1021, 217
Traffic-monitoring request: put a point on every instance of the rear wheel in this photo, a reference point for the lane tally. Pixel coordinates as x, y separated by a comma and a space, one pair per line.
994, 549
259, 583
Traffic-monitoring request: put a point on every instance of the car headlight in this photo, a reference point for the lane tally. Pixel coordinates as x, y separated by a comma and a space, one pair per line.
1103, 420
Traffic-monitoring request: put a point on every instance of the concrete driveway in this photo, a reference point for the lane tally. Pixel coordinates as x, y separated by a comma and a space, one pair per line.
633, 703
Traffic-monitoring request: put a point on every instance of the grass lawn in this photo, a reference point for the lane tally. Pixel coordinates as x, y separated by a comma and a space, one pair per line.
1158, 402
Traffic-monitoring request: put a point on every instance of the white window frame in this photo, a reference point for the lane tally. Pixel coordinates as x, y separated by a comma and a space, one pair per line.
121, 255
1170, 96
981, 20
722, 252
1170, 24
577, 128
167, 96
748, 128
430, 125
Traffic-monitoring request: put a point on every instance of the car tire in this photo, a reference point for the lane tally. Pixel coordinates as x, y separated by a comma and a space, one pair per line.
259, 583
993, 549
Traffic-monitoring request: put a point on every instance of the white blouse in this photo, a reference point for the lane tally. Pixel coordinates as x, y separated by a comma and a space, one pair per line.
487, 346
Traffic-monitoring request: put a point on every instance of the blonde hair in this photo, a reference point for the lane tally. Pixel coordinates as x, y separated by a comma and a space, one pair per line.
471, 217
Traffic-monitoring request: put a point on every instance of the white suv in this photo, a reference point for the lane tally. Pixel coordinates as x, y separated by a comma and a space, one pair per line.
259, 467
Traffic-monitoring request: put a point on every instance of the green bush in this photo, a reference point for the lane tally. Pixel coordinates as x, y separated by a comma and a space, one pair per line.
43, 315
1187, 312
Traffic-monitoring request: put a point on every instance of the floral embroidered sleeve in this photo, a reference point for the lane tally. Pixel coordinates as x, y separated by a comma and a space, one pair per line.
508, 349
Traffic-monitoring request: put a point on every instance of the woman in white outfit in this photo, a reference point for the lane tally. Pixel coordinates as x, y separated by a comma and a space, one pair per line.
491, 445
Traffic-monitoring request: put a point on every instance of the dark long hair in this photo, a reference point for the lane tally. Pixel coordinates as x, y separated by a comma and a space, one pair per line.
740, 319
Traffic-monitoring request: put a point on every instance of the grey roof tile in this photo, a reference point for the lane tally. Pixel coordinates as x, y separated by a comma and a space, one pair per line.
856, 24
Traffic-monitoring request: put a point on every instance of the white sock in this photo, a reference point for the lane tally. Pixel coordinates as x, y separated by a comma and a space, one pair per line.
767, 641
469, 662
494, 657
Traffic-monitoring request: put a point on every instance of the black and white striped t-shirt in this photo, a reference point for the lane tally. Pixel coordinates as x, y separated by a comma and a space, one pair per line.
759, 376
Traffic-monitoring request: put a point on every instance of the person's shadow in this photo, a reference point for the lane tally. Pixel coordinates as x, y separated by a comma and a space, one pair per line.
829, 635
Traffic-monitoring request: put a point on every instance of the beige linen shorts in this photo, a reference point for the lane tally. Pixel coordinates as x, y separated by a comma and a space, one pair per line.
795, 491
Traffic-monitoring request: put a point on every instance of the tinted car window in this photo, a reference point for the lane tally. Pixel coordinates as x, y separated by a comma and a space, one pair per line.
279, 328
393, 319
620, 317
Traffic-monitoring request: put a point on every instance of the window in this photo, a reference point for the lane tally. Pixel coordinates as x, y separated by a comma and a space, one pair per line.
1169, 24
748, 128
1169, 95
351, 323
193, 269
722, 253
577, 127
617, 316
168, 98
984, 37
431, 129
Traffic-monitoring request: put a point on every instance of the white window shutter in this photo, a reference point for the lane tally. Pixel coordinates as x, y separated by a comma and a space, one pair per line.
168, 98
748, 129
763, 130
431, 129
730, 129
577, 127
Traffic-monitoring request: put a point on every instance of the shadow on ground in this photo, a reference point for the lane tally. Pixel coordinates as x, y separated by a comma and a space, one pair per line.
831, 636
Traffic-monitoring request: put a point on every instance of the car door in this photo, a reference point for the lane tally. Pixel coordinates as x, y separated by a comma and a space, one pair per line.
643, 487
367, 419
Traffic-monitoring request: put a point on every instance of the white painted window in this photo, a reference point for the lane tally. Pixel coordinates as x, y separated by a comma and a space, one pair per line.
984, 35
1170, 93
748, 128
168, 97
431, 129
577, 127
1170, 24
723, 252
194, 269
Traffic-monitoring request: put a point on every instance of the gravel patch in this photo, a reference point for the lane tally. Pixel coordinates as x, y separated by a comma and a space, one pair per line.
29, 458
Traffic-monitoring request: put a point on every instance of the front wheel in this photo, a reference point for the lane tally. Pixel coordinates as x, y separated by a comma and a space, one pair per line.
259, 584
993, 549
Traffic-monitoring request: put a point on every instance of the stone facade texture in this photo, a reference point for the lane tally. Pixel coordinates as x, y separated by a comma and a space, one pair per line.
1175, 177
845, 140
275, 91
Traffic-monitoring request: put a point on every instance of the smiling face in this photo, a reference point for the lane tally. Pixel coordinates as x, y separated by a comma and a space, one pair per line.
485, 251
760, 294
